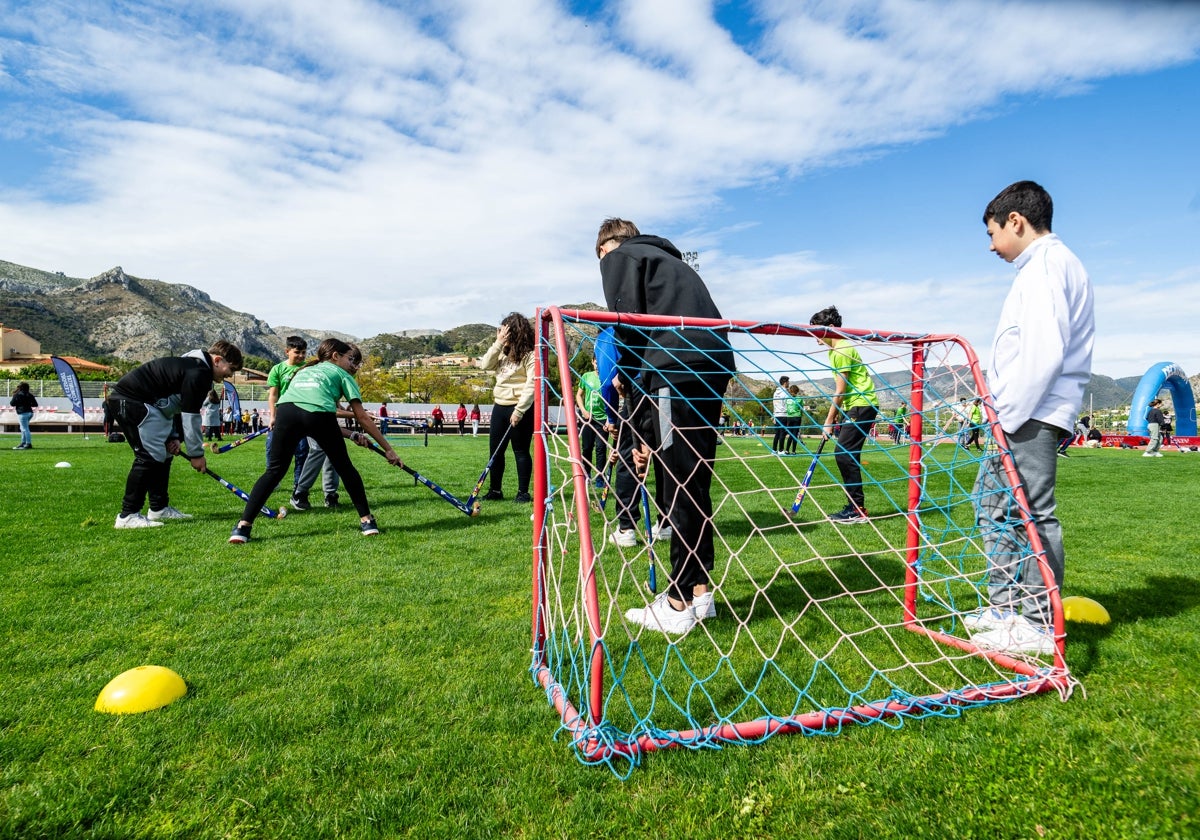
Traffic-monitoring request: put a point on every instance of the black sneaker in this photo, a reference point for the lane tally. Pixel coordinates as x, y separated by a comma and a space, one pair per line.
369, 528
522, 497
493, 496
850, 515
301, 502
331, 500
241, 534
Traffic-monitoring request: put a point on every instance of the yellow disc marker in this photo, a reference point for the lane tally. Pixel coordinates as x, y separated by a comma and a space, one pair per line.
140, 690
1078, 608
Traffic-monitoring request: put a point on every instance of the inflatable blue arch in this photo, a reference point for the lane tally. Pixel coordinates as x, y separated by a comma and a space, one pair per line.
1170, 376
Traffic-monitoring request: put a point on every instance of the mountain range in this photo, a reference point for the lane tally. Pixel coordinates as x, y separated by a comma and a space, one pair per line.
137, 319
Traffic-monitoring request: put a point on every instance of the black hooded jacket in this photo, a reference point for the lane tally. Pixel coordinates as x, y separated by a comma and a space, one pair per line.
647, 275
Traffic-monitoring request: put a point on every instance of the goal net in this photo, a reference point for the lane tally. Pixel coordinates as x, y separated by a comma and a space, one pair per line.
813, 625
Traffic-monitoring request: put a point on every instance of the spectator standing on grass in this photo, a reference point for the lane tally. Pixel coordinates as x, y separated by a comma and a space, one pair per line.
212, 416
1041, 364
511, 357
795, 416
475, 416
155, 405
461, 416
779, 411
24, 402
383, 417
1155, 419
308, 409
975, 418
439, 419
852, 412
676, 379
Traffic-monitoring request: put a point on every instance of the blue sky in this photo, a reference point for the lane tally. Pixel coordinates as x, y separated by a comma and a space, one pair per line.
371, 167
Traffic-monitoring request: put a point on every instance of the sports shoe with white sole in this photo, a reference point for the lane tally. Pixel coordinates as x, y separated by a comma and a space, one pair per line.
168, 512
660, 615
369, 528
241, 534
991, 618
1019, 636
135, 520
850, 516
662, 531
623, 538
704, 606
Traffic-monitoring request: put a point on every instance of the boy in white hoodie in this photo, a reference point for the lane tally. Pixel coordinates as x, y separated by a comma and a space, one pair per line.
1041, 363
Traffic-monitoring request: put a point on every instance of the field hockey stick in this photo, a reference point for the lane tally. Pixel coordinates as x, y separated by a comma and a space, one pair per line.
449, 497
812, 468
217, 450
473, 500
651, 582
245, 497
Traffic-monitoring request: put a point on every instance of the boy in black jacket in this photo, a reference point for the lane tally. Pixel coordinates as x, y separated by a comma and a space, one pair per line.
156, 405
676, 379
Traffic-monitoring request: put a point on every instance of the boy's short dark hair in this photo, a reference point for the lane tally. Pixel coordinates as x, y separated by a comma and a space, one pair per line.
827, 317
227, 351
1029, 199
295, 342
617, 230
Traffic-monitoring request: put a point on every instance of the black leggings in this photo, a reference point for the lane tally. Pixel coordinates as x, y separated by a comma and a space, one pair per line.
293, 424
520, 437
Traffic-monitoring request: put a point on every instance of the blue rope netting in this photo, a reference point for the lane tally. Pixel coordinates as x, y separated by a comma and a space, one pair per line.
810, 623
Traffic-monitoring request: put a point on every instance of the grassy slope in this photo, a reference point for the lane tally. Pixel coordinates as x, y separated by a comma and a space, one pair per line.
347, 687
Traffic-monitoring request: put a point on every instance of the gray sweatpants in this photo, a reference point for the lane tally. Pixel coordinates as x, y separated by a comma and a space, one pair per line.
1014, 580
316, 462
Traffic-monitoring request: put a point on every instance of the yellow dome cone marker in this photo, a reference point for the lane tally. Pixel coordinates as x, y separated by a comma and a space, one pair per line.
140, 690
1078, 608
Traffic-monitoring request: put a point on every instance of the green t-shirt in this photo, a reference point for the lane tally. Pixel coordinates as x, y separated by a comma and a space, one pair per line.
845, 360
593, 400
976, 414
794, 406
281, 375
319, 387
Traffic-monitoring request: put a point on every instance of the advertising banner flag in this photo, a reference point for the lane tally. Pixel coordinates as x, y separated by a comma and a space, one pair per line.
70, 384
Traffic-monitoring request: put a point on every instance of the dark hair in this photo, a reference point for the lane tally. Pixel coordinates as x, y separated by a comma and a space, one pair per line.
520, 336
1025, 197
295, 342
327, 348
24, 386
827, 317
227, 351
617, 230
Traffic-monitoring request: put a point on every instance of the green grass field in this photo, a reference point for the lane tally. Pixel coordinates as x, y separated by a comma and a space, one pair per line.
350, 687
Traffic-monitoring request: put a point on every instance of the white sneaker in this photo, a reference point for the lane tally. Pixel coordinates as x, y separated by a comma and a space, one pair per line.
1020, 636
167, 513
660, 615
704, 606
623, 538
1157, 454
1147, 454
992, 618
662, 531
135, 520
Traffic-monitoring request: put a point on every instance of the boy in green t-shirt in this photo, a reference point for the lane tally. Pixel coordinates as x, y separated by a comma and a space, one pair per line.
854, 400
278, 380
592, 438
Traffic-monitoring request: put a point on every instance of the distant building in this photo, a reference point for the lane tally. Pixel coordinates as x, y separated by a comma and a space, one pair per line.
18, 350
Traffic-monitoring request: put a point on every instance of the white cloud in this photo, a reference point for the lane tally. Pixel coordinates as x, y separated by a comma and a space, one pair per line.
368, 168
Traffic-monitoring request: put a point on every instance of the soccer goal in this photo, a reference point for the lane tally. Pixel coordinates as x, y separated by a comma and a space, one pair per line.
818, 626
